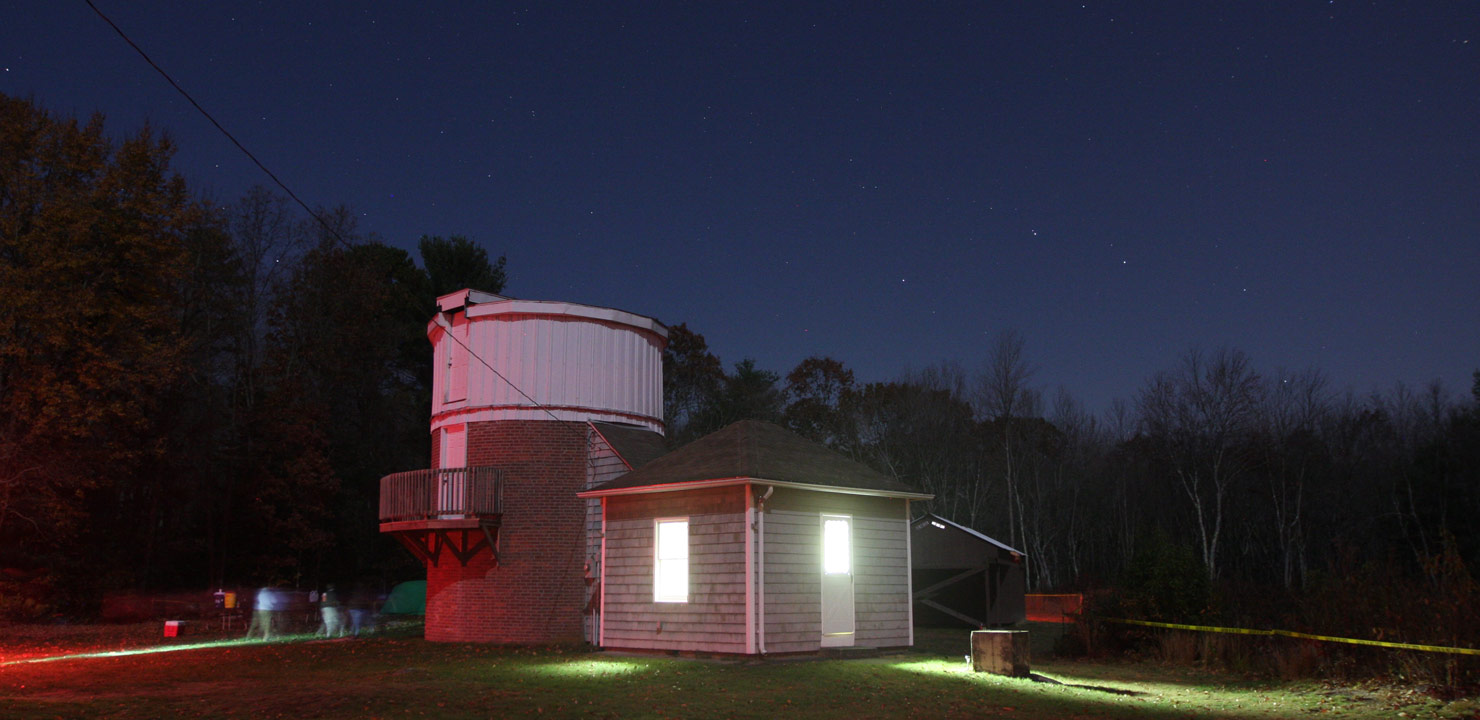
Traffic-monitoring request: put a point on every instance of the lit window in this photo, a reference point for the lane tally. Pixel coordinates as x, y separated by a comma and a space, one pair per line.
835, 553
671, 565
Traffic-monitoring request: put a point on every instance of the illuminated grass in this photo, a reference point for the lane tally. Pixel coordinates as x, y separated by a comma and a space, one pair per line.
588, 669
390, 676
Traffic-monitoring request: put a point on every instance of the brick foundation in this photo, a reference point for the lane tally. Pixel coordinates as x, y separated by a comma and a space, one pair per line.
538, 593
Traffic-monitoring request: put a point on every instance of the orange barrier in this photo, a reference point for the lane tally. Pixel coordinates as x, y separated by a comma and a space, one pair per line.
1053, 608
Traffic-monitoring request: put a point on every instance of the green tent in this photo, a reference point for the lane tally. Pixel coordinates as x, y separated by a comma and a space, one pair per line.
407, 598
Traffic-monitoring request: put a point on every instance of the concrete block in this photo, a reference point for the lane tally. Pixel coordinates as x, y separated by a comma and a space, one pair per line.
1001, 652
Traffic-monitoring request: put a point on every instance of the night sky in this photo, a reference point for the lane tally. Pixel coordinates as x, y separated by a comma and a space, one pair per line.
889, 184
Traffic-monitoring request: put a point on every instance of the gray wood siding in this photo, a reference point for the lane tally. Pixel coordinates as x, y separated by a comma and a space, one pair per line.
793, 580
793, 569
881, 591
713, 619
602, 464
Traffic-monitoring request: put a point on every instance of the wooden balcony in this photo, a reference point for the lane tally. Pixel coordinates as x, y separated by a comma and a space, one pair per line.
453, 509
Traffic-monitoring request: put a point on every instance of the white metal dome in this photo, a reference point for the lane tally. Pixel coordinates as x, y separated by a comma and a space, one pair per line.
498, 358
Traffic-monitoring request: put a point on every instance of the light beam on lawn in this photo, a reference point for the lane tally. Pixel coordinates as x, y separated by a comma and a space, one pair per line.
157, 649
1197, 697
588, 668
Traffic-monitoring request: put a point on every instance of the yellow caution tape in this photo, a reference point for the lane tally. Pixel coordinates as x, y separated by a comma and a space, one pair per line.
1303, 636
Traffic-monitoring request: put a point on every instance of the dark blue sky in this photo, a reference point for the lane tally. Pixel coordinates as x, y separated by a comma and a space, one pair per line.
890, 184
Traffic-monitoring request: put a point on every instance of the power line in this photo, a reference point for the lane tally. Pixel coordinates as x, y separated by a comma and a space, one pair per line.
294, 196
448, 332
213, 121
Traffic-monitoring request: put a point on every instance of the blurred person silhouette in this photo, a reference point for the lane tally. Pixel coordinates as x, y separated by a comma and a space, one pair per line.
264, 612
332, 612
361, 609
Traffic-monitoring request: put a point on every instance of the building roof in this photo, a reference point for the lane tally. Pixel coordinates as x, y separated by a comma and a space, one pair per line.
751, 450
465, 297
478, 304
932, 517
635, 445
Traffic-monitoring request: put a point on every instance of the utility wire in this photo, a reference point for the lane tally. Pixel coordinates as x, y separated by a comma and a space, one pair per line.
213, 121
448, 333
304, 205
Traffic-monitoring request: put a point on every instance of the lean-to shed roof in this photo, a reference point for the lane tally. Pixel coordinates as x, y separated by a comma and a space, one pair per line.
637, 446
932, 517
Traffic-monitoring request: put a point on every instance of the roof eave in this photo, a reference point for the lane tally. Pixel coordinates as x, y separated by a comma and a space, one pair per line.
725, 482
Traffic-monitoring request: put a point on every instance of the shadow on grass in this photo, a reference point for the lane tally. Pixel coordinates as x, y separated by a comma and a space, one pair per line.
1035, 677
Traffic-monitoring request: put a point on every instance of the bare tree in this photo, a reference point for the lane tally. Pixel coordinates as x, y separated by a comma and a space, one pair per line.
944, 456
1002, 387
919, 430
1404, 413
268, 238
1002, 395
1118, 493
1200, 415
1294, 407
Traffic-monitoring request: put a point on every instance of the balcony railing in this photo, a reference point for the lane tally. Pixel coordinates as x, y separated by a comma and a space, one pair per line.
449, 494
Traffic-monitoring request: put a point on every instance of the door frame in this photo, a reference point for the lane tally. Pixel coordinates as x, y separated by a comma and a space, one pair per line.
829, 582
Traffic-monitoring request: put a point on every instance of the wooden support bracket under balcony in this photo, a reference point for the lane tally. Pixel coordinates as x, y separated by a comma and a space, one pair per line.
453, 509
462, 539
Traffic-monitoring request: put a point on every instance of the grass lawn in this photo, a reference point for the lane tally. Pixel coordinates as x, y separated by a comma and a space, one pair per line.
396, 675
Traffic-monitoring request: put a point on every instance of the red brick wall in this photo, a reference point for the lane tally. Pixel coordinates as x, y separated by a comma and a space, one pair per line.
537, 594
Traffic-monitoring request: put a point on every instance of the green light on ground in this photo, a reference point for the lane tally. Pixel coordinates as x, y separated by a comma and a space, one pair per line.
1197, 698
161, 649
587, 669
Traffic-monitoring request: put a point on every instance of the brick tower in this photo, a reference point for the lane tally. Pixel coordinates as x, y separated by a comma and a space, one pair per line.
532, 402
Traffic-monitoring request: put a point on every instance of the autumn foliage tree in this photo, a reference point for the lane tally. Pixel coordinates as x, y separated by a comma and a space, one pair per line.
92, 247
195, 393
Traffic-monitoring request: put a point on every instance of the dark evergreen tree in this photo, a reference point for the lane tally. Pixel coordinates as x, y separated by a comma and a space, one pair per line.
455, 262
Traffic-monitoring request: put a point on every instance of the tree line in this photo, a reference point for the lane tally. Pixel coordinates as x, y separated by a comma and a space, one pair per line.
1269, 476
195, 392
198, 392
1218, 489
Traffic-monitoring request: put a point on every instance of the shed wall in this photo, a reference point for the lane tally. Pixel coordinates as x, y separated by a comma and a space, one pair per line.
713, 620
793, 569
1007, 586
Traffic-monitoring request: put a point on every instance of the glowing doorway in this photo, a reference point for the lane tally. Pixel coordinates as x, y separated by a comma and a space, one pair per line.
837, 581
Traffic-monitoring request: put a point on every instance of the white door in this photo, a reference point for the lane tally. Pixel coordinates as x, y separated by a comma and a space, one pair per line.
451, 485
456, 380
837, 581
